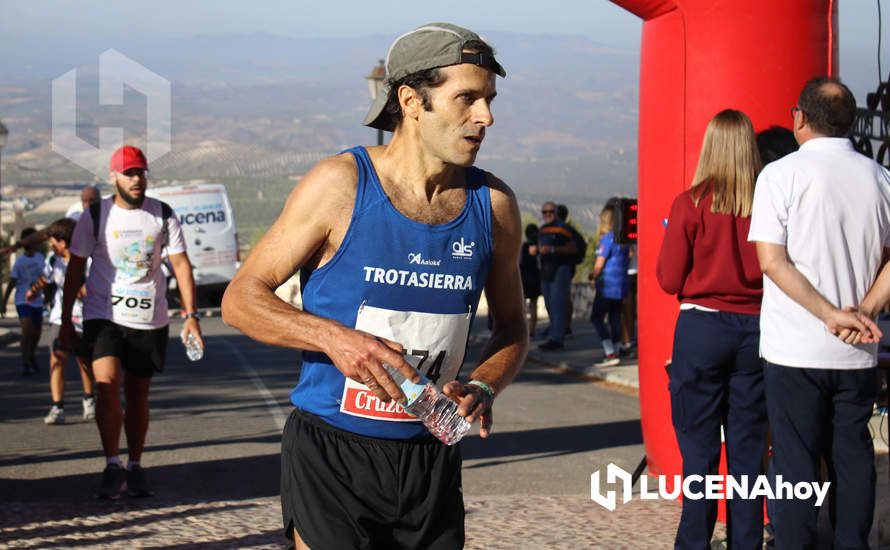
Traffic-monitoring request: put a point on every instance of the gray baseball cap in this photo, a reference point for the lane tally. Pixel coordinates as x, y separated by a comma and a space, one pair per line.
427, 47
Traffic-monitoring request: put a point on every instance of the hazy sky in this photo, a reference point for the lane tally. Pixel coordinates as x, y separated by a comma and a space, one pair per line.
59, 21
598, 19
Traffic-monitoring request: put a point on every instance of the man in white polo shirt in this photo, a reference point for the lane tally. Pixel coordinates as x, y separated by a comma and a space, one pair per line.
821, 220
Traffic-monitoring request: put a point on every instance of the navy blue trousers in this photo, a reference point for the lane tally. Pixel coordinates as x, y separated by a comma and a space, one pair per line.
816, 414
716, 379
601, 308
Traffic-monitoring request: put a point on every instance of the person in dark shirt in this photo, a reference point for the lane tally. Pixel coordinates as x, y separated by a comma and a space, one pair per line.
557, 250
716, 378
562, 212
774, 143
531, 275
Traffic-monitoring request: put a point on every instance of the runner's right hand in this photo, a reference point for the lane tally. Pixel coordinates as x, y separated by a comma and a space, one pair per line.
360, 356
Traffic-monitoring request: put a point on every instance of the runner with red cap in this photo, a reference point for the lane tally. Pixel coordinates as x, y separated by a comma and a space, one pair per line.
125, 308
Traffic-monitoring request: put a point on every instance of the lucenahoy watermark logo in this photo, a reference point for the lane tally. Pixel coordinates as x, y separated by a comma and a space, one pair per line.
696, 487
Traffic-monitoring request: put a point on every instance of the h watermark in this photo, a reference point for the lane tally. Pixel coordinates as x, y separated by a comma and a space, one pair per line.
116, 71
696, 487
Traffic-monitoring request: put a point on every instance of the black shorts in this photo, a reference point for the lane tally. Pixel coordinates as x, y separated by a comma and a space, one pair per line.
79, 347
142, 352
343, 490
531, 288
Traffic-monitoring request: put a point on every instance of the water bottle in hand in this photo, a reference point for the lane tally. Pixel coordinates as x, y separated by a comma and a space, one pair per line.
436, 410
193, 348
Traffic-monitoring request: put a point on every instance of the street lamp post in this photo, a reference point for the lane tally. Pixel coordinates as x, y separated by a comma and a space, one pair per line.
375, 84
4, 134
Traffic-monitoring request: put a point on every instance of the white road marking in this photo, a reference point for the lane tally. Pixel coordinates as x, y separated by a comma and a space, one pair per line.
271, 403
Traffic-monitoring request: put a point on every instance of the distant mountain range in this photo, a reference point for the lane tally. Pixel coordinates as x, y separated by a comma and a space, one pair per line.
269, 107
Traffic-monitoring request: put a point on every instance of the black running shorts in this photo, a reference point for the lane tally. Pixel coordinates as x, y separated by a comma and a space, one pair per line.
142, 352
343, 491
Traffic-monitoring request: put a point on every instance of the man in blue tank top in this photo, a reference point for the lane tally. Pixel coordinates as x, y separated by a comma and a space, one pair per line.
395, 245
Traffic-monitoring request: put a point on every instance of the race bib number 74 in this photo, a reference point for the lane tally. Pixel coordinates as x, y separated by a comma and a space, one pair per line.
435, 344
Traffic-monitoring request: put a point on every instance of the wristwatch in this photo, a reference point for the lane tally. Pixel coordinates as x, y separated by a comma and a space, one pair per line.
194, 315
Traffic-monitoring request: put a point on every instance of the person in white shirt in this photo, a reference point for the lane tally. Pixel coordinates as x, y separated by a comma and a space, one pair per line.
125, 308
821, 221
60, 232
25, 272
88, 196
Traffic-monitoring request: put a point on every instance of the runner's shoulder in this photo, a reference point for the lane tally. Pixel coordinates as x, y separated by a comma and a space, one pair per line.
505, 215
500, 191
332, 178
503, 200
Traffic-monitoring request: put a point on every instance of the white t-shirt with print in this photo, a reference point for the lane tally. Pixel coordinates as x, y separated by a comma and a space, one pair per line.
54, 270
830, 207
128, 254
26, 271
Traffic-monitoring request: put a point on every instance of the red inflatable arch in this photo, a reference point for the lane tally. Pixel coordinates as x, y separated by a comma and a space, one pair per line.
699, 57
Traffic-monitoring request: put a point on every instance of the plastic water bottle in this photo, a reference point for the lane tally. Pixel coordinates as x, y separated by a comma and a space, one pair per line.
193, 348
436, 410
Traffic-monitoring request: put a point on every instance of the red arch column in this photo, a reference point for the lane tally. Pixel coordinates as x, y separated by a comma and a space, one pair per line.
699, 57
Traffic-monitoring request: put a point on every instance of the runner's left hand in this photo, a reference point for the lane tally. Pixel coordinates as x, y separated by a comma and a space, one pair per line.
473, 404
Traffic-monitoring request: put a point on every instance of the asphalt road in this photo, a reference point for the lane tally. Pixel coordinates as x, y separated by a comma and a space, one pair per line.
216, 424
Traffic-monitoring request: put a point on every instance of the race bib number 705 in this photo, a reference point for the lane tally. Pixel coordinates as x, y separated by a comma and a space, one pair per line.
132, 303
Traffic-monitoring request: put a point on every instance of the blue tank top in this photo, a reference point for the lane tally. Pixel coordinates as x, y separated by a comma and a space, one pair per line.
400, 279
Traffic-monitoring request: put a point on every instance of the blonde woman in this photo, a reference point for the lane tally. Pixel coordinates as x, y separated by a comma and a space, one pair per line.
610, 279
716, 378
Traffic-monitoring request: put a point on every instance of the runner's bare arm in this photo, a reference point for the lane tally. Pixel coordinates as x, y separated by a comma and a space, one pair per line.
185, 281
33, 239
308, 232
74, 279
505, 351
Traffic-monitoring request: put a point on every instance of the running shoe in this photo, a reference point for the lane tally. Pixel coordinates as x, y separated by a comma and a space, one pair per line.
608, 361
114, 482
89, 408
551, 345
137, 486
56, 415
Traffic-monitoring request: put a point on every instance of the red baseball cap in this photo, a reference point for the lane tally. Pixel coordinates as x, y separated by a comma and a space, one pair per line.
128, 157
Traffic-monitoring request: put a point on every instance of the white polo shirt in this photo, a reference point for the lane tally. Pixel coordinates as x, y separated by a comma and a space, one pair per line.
830, 207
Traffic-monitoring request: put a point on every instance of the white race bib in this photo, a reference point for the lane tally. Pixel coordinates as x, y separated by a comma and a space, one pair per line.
133, 303
435, 342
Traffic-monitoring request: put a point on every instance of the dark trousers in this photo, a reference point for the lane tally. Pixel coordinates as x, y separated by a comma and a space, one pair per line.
815, 414
716, 379
604, 306
557, 295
